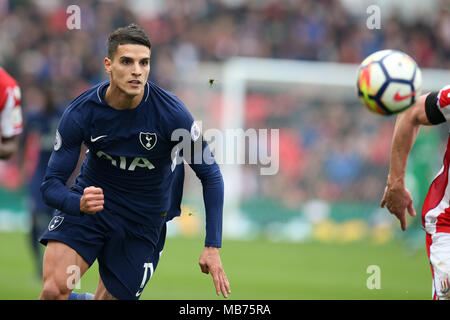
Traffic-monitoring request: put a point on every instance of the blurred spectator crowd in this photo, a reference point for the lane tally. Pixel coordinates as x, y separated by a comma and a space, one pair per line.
326, 152
37, 46
40, 52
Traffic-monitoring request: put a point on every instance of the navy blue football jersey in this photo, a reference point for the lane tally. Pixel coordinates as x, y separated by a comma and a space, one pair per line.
130, 156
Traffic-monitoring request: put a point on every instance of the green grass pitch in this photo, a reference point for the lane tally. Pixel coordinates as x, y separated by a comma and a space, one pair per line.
256, 269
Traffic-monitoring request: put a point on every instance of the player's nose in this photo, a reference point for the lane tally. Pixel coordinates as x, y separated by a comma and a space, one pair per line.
137, 70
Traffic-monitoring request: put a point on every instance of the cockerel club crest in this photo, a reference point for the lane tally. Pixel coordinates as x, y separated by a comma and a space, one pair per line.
148, 140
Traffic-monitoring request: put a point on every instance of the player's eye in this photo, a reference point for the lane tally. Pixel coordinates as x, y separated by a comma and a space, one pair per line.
144, 62
125, 61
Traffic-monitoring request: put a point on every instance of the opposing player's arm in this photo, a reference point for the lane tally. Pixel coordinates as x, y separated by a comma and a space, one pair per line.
11, 122
424, 112
406, 130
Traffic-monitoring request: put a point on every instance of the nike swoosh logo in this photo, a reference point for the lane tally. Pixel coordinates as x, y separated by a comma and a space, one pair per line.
138, 293
398, 97
99, 137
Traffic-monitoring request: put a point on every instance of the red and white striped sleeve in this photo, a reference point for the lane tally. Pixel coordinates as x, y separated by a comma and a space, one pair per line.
11, 123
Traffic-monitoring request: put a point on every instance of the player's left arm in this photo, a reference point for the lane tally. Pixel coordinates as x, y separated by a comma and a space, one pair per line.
209, 174
199, 157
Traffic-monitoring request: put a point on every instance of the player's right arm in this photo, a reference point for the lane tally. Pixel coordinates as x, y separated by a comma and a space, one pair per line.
426, 111
62, 163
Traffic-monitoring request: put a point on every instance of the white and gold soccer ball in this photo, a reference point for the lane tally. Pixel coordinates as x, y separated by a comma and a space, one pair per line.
389, 82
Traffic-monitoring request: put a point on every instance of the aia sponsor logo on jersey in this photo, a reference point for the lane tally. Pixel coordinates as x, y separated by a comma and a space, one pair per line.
444, 97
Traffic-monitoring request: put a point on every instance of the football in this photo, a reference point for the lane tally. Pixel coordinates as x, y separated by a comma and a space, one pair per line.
389, 82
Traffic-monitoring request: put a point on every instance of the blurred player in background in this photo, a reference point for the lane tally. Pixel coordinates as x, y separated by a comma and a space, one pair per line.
130, 184
38, 137
10, 115
430, 109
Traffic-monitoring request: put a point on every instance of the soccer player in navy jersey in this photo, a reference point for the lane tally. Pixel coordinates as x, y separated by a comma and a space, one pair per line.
130, 183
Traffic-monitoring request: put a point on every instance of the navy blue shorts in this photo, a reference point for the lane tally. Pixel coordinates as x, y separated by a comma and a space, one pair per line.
127, 252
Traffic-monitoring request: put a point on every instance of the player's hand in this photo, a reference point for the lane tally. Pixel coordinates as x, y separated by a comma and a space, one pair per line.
210, 263
92, 200
398, 199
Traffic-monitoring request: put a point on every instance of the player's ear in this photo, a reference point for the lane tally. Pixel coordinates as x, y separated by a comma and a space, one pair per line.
107, 62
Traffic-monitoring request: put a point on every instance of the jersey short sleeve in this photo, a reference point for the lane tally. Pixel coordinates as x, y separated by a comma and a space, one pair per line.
66, 146
437, 106
185, 122
186, 134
